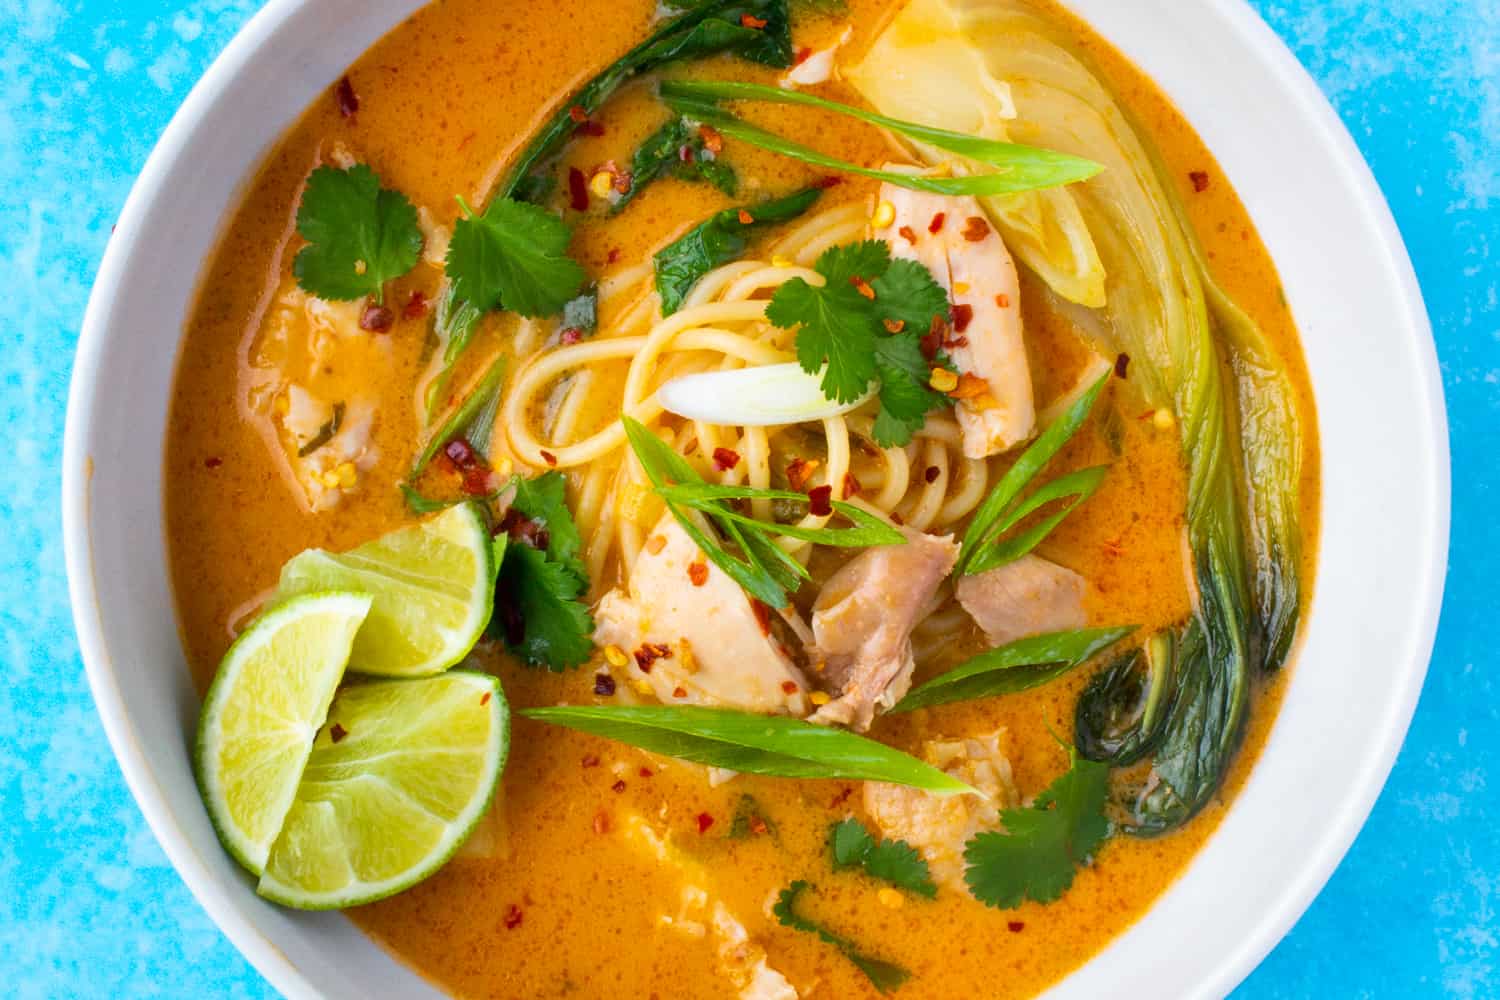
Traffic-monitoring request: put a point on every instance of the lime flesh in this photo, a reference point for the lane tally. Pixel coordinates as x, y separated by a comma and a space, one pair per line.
267, 702
398, 778
433, 586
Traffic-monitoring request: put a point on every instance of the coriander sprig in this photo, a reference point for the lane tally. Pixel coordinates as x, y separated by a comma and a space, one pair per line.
359, 235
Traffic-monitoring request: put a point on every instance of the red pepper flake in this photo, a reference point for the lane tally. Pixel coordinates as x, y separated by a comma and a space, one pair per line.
523, 529
578, 190
513, 917
851, 486
975, 229
1122, 366
704, 822
1016, 926
762, 615
803, 54
679, 692
578, 113
908, 234
820, 501
746, 218
862, 287
213, 462
698, 573
970, 386
347, 98
1147, 415
484, 699
649, 653
1200, 180
1002, 300
936, 225
725, 459
956, 343
590, 760
798, 472
963, 315
416, 306
601, 822
646, 772
685, 154
758, 826
376, 319
934, 337
604, 685
841, 797
789, 687
897, 518
478, 482
829, 181
613, 256
337, 733
713, 139
570, 336
549, 458
591, 128
618, 786
461, 454
753, 22
932, 474
619, 178
895, 325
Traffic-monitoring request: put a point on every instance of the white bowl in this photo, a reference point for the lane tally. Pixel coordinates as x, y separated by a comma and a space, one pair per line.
1385, 486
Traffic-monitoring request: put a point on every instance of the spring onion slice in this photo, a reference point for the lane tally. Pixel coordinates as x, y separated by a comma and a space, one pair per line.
774, 745
1018, 168
483, 400
763, 396
868, 529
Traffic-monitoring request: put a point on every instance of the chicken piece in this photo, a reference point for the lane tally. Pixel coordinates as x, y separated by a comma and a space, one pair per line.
818, 66
940, 827
968, 258
691, 636
742, 961
862, 622
1030, 596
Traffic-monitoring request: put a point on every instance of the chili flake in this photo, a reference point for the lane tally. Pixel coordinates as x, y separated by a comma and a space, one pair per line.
895, 325
963, 315
936, 225
820, 501
725, 459
975, 229
799, 471
549, 458
704, 822
570, 336
932, 473
1002, 300
762, 615
1200, 180
604, 685
713, 139
213, 462
1016, 926
618, 786
591, 128
484, 699
336, 733
601, 822
862, 287
751, 21
649, 653
746, 218
851, 486
578, 113
679, 692
513, 917
590, 760
698, 573
376, 319
578, 190
1122, 366
908, 234
347, 98
789, 687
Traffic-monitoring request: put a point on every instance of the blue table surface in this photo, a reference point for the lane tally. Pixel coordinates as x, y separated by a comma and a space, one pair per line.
89, 906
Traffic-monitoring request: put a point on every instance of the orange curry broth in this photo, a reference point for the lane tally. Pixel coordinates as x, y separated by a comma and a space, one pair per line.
445, 100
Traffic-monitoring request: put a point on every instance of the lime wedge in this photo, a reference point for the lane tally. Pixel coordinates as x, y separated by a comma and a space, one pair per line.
434, 589
266, 703
398, 778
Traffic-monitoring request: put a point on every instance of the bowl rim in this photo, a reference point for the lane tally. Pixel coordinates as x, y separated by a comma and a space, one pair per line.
1314, 868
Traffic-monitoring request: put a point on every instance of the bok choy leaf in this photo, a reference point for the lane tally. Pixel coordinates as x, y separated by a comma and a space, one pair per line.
774, 745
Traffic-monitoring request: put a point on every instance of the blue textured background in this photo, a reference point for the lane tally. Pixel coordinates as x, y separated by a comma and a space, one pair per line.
89, 906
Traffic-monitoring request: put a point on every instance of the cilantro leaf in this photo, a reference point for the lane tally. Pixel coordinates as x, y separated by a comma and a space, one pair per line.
359, 235
538, 610
851, 844
905, 396
893, 861
1042, 846
514, 256
884, 976
544, 500
908, 294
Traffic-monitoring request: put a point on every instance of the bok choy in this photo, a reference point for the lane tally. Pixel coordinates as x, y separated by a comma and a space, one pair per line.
1240, 434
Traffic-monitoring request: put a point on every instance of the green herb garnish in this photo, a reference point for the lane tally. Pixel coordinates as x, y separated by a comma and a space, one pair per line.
982, 545
1044, 844
750, 820
677, 149
1017, 168
1018, 666
893, 861
709, 498
325, 433
473, 420
845, 324
774, 745
539, 614
884, 976
716, 241
359, 235
513, 256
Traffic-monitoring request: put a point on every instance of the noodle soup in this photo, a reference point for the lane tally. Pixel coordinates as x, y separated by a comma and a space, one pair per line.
923, 431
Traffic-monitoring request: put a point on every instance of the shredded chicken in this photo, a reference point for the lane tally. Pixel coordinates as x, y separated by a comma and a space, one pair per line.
996, 409
862, 623
940, 827
689, 634
742, 961
1030, 596
817, 67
